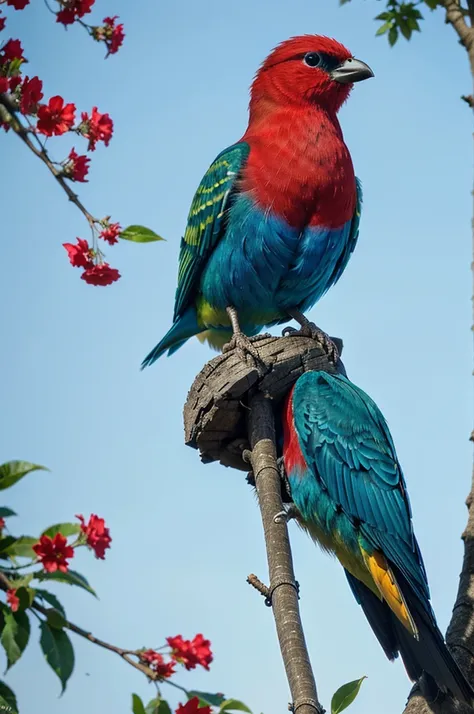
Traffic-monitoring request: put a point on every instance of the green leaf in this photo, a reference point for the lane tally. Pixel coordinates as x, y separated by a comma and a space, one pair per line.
71, 578
8, 703
343, 2
384, 28
214, 700
137, 705
432, 4
405, 29
413, 24
51, 599
392, 36
157, 706
345, 695
234, 705
22, 547
26, 597
5, 512
56, 619
140, 234
13, 471
5, 543
66, 529
384, 16
58, 650
15, 634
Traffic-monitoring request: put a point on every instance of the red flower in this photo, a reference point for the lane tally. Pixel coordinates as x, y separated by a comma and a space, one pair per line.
191, 653
111, 233
79, 254
13, 600
192, 707
18, 4
97, 127
100, 275
157, 663
53, 553
10, 51
2, 524
3, 85
55, 118
31, 94
72, 9
97, 534
76, 167
2, 23
113, 35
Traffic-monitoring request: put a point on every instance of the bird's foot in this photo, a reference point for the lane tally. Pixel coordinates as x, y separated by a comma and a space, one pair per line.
309, 329
246, 350
287, 515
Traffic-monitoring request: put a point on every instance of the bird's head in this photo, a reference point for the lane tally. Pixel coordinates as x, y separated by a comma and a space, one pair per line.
309, 70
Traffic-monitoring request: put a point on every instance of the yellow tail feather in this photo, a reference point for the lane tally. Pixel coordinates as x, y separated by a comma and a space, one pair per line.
387, 586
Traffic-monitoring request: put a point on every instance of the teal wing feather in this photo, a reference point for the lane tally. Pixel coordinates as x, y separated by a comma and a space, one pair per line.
347, 445
206, 221
353, 236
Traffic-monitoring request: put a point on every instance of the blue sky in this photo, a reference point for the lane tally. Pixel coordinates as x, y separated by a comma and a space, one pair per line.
185, 536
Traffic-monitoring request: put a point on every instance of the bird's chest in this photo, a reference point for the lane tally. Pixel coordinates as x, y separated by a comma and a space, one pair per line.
302, 173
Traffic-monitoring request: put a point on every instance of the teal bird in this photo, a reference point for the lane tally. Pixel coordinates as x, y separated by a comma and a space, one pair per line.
349, 494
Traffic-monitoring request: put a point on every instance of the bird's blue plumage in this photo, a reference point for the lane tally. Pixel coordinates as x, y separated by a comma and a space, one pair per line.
235, 253
349, 489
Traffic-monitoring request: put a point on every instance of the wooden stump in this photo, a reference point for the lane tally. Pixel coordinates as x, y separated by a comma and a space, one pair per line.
215, 413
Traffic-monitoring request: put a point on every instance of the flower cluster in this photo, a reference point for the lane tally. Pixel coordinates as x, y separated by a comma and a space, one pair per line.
54, 553
97, 535
110, 33
81, 255
55, 117
189, 653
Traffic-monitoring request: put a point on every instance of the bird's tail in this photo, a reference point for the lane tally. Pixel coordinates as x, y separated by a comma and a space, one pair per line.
425, 654
185, 327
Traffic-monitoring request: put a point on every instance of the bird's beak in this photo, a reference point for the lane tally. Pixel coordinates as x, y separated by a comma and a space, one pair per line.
352, 70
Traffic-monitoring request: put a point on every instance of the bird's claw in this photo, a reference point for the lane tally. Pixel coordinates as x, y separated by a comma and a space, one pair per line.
313, 331
245, 349
286, 515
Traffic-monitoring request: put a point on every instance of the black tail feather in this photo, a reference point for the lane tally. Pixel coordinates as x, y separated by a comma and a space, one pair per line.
427, 654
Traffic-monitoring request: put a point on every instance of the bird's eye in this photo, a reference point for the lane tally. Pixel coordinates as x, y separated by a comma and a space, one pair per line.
312, 59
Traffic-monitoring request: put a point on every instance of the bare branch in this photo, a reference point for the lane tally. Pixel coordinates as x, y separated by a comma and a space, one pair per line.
455, 17
283, 590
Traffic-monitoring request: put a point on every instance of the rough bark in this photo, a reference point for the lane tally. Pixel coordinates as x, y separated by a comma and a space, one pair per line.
283, 589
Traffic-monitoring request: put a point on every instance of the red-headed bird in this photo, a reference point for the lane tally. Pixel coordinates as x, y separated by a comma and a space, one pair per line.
276, 217
349, 493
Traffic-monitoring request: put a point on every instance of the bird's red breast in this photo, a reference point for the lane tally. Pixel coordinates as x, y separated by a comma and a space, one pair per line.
299, 167
292, 454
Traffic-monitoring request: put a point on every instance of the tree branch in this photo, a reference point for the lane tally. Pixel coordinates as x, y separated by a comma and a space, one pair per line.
283, 590
455, 17
22, 132
460, 632
5, 585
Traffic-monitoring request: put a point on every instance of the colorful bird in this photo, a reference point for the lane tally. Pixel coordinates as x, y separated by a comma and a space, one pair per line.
349, 494
276, 217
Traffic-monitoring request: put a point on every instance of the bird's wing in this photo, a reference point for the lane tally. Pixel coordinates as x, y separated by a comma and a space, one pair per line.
353, 235
205, 220
348, 447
